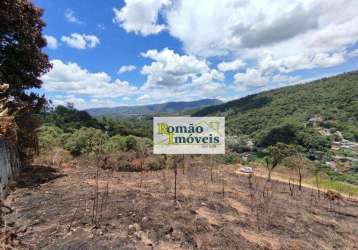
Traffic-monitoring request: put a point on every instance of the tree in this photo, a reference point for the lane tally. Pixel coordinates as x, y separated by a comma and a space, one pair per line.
21, 59
21, 64
275, 155
299, 163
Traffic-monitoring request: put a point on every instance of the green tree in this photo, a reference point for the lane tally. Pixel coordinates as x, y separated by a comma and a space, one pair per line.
275, 155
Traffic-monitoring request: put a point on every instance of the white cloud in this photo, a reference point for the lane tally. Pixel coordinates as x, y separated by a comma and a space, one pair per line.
170, 68
296, 34
251, 78
185, 75
126, 68
275, 38
140, 17
51, 42
353, 53
78, 41
143, 98
254, 80
70, 78
300, 62
70, 16
65, 99
234, 26
82, 103
231, 66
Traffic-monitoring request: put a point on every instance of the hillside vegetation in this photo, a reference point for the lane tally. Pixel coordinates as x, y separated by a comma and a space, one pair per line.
334, 100
140, 110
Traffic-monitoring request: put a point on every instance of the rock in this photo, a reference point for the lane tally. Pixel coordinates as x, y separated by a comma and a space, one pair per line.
144, 238
145, 219
247, 170
133, 228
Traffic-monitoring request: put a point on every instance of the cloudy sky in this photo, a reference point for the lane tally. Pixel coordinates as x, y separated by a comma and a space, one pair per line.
110, 53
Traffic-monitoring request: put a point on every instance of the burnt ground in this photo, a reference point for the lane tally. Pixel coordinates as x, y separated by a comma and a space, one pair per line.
53, 209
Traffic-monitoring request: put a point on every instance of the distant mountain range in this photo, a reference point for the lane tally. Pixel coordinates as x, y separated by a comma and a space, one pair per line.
168, 107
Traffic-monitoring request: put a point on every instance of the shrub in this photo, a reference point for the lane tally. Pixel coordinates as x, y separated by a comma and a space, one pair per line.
131, 142
230, 158
80, 141
154, 163
116, 143
50, 137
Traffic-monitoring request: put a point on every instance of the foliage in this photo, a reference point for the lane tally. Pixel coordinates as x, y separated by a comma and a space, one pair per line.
131, 142
276, 154
297, 134
141, 126
125, 143
351, 178
116, 143
68, 118
50, 137
230, 158
339, 186
21, 59
81, 141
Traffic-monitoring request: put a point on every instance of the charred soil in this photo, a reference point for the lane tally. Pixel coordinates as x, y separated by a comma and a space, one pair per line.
53, 208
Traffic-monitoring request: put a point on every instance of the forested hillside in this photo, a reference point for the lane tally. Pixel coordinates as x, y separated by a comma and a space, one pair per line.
140, 110
332, 101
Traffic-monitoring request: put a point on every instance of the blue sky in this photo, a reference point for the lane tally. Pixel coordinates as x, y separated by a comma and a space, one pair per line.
111, 53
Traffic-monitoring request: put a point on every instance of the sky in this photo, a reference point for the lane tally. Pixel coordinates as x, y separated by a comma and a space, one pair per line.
135, 52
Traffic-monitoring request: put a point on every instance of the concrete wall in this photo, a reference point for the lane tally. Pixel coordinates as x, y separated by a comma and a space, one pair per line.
9, 165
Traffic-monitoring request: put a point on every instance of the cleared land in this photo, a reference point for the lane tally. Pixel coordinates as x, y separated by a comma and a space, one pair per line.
53, 208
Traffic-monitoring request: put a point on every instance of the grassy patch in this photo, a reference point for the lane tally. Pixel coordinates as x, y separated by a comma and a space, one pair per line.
339, 186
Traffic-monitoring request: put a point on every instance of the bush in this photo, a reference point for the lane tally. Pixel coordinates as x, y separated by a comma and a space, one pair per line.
131, 142
115, 143
125, 143
230, 158
50, 137
154, 163
80, 141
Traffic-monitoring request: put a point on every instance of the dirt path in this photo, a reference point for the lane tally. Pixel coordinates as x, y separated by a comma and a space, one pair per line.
53, 209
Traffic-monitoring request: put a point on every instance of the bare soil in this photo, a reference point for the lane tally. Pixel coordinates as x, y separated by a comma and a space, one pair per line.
53, 209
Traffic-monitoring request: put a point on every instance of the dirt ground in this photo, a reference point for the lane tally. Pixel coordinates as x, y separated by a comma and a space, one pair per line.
53, 208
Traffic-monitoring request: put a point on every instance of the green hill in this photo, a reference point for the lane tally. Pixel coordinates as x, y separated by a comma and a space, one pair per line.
142, 110
283, 113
